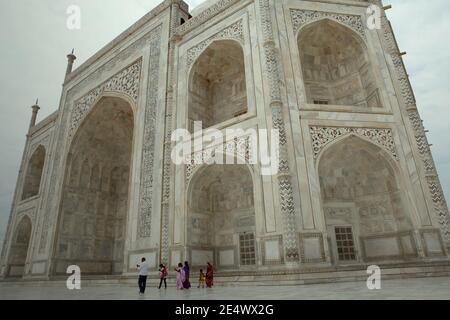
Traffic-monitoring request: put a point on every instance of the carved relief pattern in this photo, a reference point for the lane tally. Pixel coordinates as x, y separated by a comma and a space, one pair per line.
321, 136
272, 65
303, 17
204, 16
127, 81
290, 225
341, 213
422, 141
278, 124
167, 161
234, 32
60, 140
145, 205
434, 185
240, 147
440, 205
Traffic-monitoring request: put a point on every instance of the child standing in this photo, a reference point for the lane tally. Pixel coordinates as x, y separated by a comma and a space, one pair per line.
162, 276
201, 279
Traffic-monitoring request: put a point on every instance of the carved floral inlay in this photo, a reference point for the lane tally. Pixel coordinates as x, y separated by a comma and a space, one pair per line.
126, 81
321, 136
148, 151
205, 16
234, 32
303, 17
240, 148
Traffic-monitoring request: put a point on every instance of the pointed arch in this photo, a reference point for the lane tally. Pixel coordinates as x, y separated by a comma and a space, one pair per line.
19, 247
221, 209
387, 154
217, 84
336, 67
363, 199
95, 197
33, 176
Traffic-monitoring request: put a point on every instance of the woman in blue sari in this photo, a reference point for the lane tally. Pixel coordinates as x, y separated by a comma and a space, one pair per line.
186, 269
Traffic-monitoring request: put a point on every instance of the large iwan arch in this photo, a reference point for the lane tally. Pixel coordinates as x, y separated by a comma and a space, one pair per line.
94, 207
364, 203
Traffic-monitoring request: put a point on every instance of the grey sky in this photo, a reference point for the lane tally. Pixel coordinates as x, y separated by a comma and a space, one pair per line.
34, 42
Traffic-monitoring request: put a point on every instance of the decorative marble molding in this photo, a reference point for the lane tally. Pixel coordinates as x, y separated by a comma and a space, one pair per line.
438, 237
126, 81
338, 212
440, 205
322, 136
57, 166
233, 32
30, 212
146, 190
36, 145
204, 16
423, 147
274, 76
301, 18
269, 262
303, 237
240, 147
422, 142
169, 125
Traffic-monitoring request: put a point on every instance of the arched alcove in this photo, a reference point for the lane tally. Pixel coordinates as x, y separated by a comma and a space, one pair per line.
217, 87
19, 248
336, 66
221, 216
33, 175
95, 198
363, 202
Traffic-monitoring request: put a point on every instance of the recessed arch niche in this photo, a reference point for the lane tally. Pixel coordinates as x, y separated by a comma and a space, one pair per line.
363, 202
217, 84
336, 66
94, 204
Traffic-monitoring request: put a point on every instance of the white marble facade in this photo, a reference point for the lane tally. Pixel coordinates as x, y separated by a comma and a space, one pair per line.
356, 184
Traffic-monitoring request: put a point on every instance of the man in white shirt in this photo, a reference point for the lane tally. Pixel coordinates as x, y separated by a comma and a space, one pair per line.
143, 273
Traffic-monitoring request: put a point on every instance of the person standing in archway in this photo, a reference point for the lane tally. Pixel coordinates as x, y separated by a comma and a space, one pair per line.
209, 275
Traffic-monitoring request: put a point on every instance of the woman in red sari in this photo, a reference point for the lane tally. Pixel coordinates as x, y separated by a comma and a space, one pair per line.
209, 275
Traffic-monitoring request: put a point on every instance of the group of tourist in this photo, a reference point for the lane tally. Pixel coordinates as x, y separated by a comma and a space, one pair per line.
182, 279
183, 275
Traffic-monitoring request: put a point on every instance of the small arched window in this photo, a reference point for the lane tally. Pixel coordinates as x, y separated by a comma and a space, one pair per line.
33, 175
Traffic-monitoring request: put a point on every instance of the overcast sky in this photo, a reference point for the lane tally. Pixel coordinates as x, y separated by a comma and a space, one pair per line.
34, 42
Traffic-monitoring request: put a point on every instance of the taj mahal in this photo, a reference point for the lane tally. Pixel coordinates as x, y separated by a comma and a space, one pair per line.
356, 183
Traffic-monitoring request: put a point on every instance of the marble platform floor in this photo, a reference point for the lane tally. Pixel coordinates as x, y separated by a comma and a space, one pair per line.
415, 288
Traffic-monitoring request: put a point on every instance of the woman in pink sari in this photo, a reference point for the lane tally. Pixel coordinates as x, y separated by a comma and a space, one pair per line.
209, 275
181, 277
